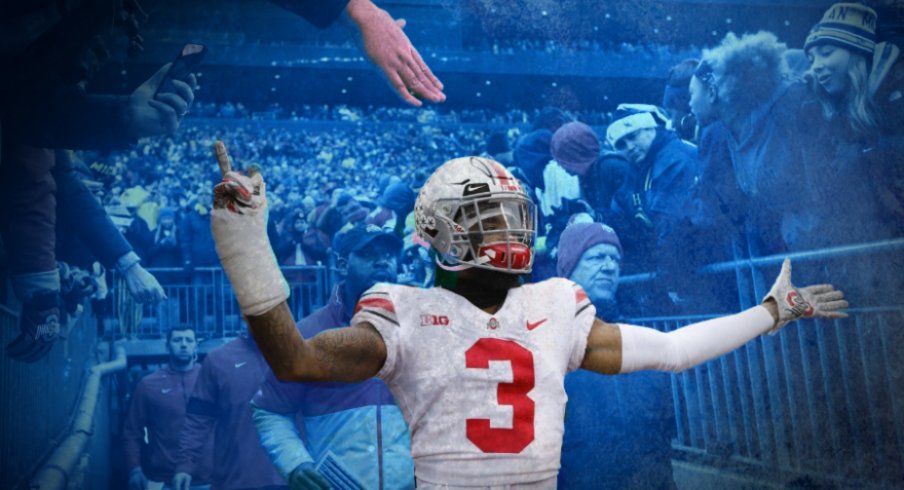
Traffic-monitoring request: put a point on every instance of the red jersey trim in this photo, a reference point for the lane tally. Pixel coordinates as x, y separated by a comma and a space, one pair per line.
380, 303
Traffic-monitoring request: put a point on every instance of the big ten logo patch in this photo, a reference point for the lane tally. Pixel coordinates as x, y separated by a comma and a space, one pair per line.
434, 320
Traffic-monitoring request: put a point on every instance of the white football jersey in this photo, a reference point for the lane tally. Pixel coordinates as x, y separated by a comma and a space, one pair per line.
483, 394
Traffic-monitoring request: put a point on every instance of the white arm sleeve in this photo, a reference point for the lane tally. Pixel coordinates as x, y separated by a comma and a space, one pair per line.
646, 348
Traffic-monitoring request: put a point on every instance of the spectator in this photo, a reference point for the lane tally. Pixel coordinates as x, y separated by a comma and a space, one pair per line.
676, 99
194, 232
559, 188
90, 235
578, 180
721, 200
166, 250
87, 235
399, 197
156, 414
858, 125
290, 245
841, 49
576, 148
219, 410
531, 153
722, 211
44, 106
748, 93
29, 210
384, 216
618, 430
139, 233
308, 204
721, 218
497, 148
334, 217
655, 200
355, 430
353, 213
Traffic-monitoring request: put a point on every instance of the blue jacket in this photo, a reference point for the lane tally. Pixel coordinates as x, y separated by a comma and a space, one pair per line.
354, 433
664, 181
656, 199
767, 159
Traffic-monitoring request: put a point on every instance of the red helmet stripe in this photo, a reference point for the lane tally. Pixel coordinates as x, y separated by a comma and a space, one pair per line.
505, 179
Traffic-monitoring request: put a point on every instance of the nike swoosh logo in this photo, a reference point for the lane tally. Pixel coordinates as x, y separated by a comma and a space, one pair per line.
166, 390
478, 188
531, 326
240, 364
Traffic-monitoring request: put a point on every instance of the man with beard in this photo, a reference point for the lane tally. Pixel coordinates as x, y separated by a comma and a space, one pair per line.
354, 434
158, 406
478, 363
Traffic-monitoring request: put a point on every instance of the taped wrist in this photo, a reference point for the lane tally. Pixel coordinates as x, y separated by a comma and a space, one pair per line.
244, 250
645, 348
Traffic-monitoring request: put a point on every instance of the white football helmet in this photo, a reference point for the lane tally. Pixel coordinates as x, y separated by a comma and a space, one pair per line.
474, 213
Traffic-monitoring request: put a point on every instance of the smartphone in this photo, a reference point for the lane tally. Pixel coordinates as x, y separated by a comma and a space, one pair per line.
184, 64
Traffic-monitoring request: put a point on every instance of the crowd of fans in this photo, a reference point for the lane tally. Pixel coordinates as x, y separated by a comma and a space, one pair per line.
713, 166
678, 194
498, 45
310, 172
562, 46
382, 114
318, 182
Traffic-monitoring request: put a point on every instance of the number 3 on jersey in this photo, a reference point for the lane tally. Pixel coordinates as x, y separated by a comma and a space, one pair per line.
513, 440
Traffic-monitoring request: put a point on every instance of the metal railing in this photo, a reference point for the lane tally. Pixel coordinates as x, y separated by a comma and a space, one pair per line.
57, 471
822, 398
204, 300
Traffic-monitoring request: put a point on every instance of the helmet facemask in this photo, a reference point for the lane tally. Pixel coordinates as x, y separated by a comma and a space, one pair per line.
491, 232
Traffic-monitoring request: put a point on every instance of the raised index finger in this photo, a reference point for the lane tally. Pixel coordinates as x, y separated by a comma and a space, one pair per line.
219, 149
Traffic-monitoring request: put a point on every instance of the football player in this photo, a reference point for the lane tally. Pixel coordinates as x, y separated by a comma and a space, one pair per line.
476, 364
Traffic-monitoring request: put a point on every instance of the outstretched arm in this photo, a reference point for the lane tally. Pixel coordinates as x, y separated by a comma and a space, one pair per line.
384, 41
613, 349
240, 235
389, 49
